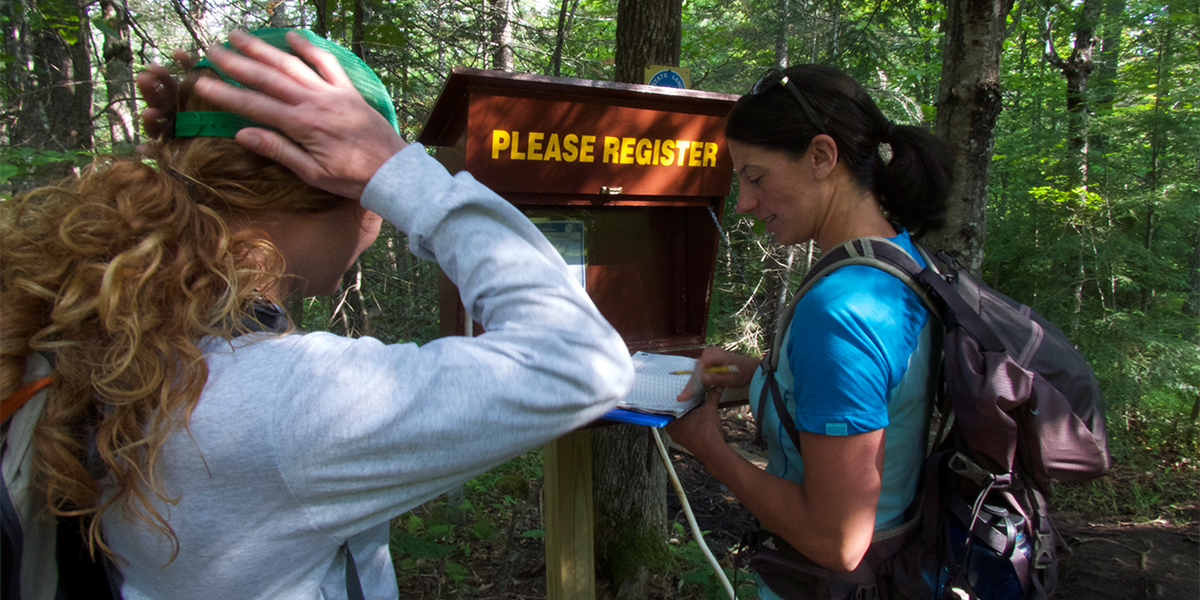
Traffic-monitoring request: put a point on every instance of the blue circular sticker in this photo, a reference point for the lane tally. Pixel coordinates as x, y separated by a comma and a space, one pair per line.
667, 78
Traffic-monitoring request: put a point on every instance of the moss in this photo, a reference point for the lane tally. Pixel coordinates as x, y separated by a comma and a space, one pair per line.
629, 550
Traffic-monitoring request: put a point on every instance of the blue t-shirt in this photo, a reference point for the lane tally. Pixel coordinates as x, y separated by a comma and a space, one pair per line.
857, 358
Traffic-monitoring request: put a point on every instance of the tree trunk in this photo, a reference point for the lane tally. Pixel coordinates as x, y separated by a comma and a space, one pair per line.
630, 482
967, 107
784, 13
118, 73
501, 34
1076, 69
356, 31
649, 32
321, 26
189, 16
1157, 142
23, 126
55, 111
349, 307
82, 86
629, 495
1192, 305
1105, 84
277, 15
565, 16
52, 93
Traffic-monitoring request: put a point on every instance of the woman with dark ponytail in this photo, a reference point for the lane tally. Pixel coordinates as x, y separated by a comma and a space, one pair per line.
817, 160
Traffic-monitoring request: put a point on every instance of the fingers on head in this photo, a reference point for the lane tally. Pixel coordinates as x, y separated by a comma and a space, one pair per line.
327, 64
265, 53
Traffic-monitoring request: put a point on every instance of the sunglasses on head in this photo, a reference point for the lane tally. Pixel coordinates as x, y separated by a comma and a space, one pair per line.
775, 77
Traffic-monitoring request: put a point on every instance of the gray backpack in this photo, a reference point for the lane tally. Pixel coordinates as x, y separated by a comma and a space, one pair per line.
1024, 411
44, 557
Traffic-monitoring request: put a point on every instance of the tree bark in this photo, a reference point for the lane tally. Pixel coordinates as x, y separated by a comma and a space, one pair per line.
649, 32
17, 36
630, 482
276, 15
784, 12
321, 26
565, 16
967, 107
501, 34
1192, 306
356, 31
629, 496
118, 72
1076, 69
82, 85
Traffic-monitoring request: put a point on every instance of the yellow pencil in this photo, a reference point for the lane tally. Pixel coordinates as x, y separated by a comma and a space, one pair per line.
717, 369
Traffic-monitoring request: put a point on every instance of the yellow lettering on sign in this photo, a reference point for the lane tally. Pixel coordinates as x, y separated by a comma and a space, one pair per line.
694, 154
516, 154
612, 149
500, 141
585, 148
682, 146
668, 152
644, 154
617, 150
534, 146
627, 150
552, 151
570, 147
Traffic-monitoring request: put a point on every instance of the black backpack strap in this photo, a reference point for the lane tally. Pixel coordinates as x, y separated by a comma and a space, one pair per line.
14, 542
880, 253
771, 388
354, 589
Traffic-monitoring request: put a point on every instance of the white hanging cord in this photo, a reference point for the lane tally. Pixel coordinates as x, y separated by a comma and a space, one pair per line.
691, 519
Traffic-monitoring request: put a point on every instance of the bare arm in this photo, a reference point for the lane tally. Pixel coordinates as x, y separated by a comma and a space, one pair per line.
831, 517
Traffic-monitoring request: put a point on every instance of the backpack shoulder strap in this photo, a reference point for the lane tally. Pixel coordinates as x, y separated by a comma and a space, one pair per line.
31, 541
880, 253
17, 399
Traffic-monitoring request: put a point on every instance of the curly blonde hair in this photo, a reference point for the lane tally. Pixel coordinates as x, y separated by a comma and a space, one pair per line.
119, 274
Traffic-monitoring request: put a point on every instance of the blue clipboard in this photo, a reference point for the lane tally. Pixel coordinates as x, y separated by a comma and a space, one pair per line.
621, 415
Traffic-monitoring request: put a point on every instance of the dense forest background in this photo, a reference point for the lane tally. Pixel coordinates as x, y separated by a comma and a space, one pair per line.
1093, 205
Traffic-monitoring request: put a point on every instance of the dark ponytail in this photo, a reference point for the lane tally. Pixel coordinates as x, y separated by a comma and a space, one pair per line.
912, 187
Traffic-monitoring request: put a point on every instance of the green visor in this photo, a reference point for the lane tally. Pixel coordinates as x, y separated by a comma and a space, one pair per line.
190, 124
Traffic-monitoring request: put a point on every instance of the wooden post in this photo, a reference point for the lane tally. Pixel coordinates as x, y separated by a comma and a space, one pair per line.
570, 564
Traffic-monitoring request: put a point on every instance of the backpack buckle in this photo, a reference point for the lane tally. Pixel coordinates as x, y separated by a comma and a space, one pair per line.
1041, 550
959, 463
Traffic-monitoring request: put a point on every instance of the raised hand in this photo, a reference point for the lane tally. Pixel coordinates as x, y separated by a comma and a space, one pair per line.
160, 89
331, 138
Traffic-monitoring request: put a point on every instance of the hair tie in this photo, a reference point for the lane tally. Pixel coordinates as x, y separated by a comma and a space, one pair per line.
189, 184
889, 130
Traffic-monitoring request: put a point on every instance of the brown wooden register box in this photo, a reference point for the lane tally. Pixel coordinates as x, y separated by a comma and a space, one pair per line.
644, 172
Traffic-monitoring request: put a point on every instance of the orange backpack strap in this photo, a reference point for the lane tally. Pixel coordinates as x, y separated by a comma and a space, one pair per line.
17, 399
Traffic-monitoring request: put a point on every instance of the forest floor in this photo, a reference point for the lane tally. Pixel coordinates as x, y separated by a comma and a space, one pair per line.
1110, 558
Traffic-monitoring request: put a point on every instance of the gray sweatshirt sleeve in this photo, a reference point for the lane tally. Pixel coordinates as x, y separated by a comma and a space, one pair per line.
364, 431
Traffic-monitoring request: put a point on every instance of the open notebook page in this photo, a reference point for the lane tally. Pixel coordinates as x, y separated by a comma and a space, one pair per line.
654, 387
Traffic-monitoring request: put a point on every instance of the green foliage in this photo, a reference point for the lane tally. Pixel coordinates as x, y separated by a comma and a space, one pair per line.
1109, 261
17, 163
1106, 259
437, 538
696, 577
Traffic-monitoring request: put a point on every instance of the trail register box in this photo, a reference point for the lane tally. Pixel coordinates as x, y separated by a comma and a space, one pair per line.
628, 182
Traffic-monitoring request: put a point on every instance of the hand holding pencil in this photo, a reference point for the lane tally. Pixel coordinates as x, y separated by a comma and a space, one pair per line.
717, 368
